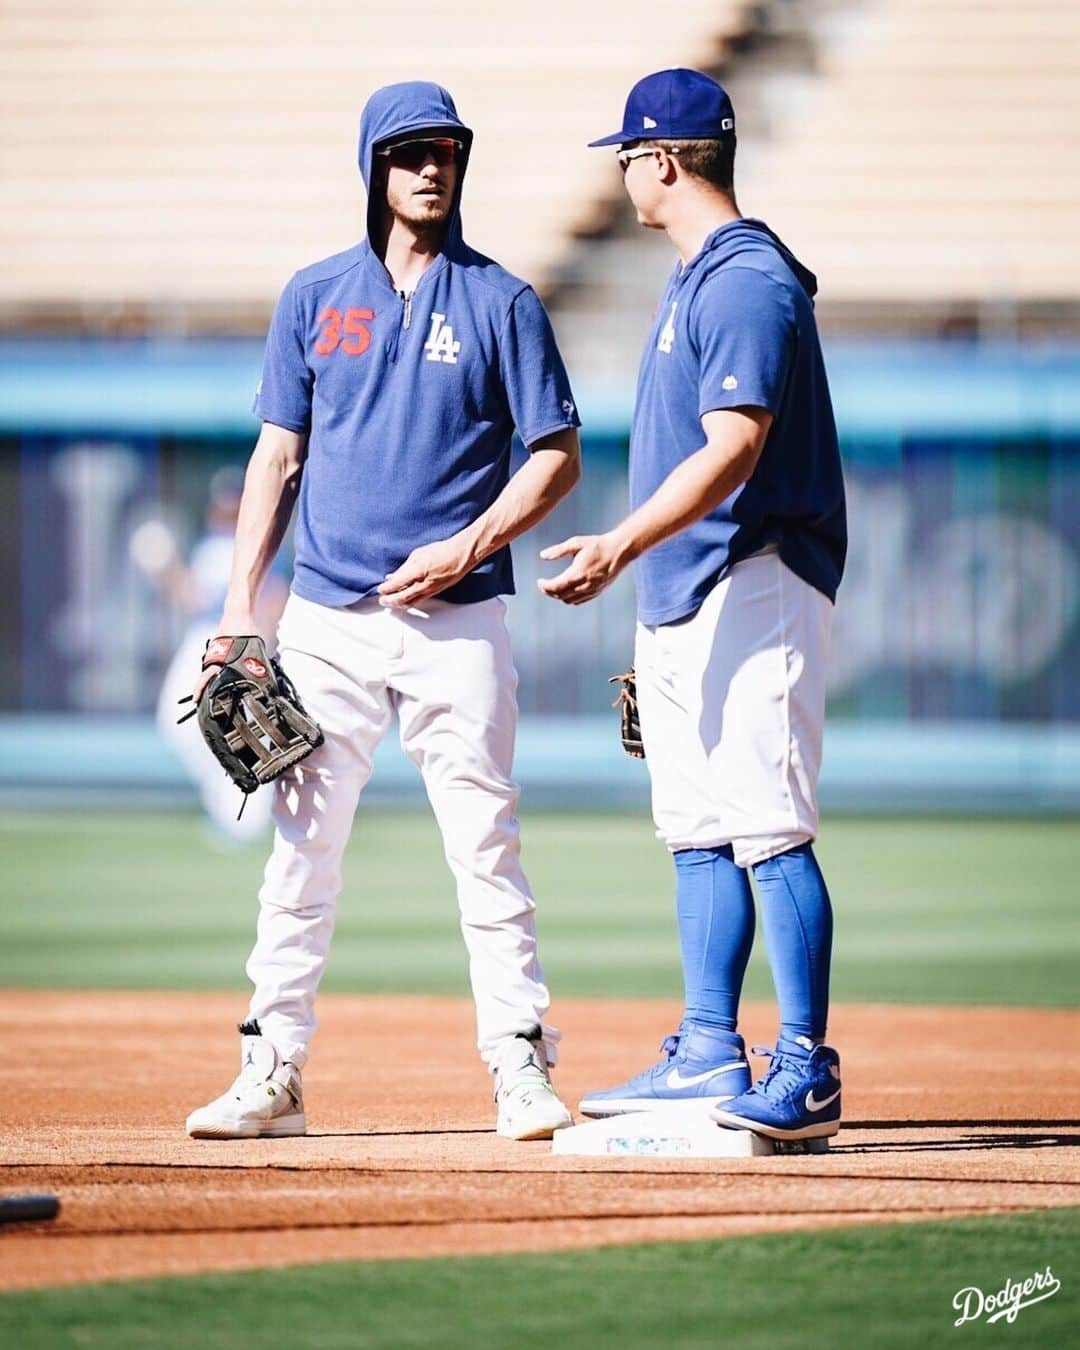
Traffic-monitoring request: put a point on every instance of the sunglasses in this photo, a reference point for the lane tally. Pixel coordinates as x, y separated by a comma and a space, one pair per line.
625, 156
415, 154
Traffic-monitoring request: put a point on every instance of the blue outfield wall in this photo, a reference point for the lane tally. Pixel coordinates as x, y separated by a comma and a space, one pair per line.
881, 389
956, 655
578, 762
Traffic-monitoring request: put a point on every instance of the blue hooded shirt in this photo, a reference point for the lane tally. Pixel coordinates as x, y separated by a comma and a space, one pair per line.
736, 328
410, 403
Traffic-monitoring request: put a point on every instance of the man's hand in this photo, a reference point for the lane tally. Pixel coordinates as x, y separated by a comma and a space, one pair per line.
232, 625
427, 570
734, 439
598, 560
205, 676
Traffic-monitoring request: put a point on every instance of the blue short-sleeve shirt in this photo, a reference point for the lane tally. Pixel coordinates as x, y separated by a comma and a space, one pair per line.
736, 328
409, 406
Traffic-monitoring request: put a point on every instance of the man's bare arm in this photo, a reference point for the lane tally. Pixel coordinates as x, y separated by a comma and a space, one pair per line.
552, 469
271, 483
733, 445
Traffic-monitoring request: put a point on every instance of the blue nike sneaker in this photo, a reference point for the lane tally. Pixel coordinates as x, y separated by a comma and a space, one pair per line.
798, 1098
702, 1066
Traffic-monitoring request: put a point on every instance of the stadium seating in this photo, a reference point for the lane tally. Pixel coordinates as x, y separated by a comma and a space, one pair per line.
933, 154
181, 160
192, 155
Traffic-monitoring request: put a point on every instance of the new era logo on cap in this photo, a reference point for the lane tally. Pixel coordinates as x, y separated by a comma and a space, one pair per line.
675, 105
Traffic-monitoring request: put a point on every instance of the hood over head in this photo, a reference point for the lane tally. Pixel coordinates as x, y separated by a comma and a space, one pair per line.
750, 235
409, 109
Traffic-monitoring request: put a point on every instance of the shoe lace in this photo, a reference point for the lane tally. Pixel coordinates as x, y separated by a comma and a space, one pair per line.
783, 1072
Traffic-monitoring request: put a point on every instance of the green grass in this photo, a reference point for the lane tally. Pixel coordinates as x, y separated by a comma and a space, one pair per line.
926, 910
880, 1287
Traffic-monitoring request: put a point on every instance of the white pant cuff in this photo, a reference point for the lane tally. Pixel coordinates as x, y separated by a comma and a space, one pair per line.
747, 852
550, 1037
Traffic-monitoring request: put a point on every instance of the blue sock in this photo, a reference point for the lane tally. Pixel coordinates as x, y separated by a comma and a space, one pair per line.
716, 931
797, 917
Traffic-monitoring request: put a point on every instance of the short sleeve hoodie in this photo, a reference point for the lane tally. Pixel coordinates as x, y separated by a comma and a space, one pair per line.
735, 328
409, 402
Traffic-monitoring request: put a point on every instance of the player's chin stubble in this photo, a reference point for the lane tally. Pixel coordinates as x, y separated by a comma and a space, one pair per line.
421, 212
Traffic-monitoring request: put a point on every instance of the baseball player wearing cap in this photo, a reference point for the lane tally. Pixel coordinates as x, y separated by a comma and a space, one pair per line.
395, 374
738, 532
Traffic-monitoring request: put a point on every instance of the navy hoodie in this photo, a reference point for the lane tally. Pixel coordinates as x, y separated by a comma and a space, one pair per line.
410, 403
736, 328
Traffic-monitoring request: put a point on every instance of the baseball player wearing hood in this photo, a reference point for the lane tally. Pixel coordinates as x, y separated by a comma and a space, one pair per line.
738, 532
394, 377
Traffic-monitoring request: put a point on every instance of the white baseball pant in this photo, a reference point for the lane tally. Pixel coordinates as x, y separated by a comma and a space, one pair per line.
732, 706
447, 671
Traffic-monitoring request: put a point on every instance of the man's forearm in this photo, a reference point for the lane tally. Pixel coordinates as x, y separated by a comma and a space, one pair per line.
549, 474
693, 488
270, 487
734, 441
552, 470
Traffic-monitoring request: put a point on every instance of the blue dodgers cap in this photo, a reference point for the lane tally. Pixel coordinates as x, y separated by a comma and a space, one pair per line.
674, 105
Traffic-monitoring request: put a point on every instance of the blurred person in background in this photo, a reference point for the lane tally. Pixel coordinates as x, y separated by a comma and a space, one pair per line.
738, 531
198, 589
394, 377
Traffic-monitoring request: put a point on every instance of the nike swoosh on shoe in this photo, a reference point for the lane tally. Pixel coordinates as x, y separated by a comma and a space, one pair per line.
812, 1103
676, 1080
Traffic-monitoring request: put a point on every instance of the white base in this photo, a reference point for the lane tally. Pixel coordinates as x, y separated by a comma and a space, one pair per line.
668, 1134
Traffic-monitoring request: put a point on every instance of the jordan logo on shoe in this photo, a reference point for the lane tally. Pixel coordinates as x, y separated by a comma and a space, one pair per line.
812, 1103
676, 1080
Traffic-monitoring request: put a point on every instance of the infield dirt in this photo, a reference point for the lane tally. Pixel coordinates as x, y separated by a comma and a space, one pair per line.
948, 1112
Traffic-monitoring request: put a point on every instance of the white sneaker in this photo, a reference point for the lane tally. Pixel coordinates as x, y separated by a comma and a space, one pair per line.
529, 1107
266, 1101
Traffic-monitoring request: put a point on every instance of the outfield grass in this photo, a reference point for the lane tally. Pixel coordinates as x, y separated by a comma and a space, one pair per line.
940, 910
880, 1287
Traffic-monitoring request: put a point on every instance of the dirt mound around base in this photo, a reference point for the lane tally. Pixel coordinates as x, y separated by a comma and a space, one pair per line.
948, 1111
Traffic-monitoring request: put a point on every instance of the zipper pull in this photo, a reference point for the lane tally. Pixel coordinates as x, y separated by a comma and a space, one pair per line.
408, 307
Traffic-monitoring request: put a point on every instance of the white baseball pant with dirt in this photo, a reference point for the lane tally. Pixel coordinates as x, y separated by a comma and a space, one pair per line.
447, 671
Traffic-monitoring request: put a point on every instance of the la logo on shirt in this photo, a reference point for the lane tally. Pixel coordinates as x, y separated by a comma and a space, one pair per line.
666, 340
440, 344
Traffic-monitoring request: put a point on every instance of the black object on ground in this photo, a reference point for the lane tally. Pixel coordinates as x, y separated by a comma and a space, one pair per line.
28, 1208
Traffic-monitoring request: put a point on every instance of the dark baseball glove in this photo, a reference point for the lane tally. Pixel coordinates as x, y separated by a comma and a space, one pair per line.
250, 715
629, 721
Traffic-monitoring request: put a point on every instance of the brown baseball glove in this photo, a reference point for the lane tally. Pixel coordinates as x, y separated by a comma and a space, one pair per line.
250, 715
629, 721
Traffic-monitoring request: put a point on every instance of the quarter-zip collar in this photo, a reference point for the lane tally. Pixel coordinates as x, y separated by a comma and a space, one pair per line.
405, 302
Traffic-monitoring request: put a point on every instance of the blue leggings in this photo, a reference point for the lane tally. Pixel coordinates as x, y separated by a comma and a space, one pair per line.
716, 931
